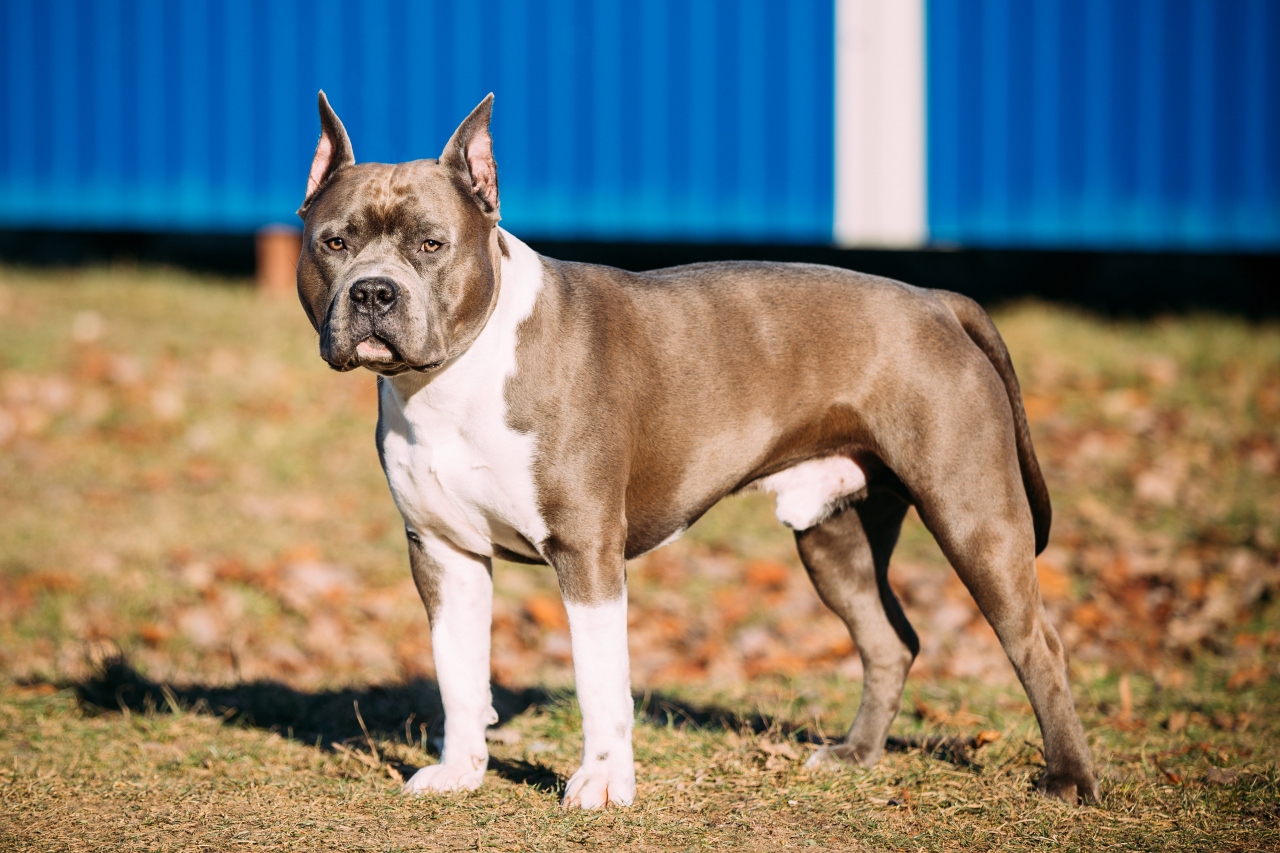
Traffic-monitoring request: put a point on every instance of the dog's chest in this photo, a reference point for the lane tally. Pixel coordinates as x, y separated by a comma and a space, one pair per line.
462, 475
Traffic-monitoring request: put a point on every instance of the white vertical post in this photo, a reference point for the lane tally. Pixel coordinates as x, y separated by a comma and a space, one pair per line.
880, 123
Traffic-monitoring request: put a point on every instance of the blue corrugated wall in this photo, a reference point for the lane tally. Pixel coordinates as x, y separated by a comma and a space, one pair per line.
661, 120
1054, 123
1105, 123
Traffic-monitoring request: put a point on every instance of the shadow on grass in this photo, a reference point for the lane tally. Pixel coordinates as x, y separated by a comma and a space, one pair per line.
410, 711
957, 750
413, 711
665, 710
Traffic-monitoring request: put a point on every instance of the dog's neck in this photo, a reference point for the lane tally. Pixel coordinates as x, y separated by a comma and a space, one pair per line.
491, 357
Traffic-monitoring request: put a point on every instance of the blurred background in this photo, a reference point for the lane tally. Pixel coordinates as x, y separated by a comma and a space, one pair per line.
181, 478
1111, 138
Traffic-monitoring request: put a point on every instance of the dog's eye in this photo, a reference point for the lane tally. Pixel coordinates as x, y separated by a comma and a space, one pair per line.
336, 244
431, 246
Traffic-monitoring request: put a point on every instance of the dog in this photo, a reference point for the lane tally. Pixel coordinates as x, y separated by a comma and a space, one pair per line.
580, 416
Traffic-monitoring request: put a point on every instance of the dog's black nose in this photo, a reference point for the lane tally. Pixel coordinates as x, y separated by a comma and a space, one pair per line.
374, 295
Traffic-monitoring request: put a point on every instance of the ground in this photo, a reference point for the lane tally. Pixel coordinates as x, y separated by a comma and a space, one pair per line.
202, 577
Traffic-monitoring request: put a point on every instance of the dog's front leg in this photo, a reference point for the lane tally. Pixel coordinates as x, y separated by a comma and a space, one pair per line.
596, 601
457, 589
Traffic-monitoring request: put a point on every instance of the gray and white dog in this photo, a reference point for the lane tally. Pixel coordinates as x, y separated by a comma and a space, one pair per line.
579, 416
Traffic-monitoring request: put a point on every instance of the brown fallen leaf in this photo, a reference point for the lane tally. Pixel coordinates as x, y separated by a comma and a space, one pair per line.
202, 472
938, 716
1248, 677
153, 634
1054, 582
983, 738
1121, 723
1039, 408
776, 749
1169, 775
42, 689
1222, 776
766, 574
777, 663
48, 581
547, 612
301, 554
1177, 721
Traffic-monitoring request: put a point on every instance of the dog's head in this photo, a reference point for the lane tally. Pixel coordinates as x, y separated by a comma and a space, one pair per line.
400, 263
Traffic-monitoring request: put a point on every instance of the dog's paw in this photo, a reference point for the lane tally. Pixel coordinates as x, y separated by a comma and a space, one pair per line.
825, 759
601, 785
841, 757
1071, 788
439, 778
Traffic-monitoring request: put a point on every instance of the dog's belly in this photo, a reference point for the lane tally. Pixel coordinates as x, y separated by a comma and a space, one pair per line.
810, 492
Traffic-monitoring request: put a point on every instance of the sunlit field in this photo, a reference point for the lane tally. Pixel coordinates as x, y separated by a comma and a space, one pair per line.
209, 636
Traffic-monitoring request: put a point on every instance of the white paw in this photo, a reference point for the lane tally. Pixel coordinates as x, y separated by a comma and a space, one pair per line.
601, 784
823, 759
439, 778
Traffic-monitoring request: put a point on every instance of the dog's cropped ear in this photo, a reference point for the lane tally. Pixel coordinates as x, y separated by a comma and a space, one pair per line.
470, 154
332, 153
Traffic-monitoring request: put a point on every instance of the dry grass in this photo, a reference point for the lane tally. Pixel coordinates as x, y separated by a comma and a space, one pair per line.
81, 777
182, 480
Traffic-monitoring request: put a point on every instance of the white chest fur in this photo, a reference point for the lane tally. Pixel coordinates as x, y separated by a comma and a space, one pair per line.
454, 466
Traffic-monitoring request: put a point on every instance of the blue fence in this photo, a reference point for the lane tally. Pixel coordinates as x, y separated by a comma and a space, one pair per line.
660, 120
1105, 123
1054, 123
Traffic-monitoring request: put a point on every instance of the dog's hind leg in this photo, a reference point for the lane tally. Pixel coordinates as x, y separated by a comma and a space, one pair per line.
996, 560
958, 441
968, 488
847, 557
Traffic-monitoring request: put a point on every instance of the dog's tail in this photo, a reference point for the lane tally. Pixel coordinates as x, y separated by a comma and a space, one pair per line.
983, 332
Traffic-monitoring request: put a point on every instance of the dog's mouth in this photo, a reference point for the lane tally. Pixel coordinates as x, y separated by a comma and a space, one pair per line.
380, 356
374, 349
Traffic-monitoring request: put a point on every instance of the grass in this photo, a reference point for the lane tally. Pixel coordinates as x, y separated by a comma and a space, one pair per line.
182, 482
83, 777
